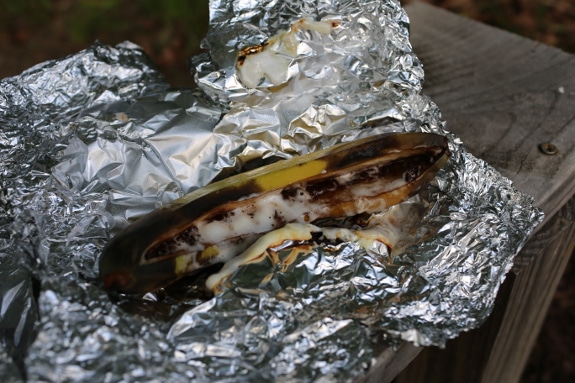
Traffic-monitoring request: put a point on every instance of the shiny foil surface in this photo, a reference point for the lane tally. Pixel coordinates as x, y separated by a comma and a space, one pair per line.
96, 139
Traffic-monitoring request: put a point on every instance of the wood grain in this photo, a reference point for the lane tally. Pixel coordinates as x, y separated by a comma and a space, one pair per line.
499, 350
504, 95
528, 307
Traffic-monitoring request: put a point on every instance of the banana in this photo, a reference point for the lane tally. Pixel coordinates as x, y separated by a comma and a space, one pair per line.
215, 223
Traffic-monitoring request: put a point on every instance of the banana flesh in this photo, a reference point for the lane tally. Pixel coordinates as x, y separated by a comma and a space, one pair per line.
215, 223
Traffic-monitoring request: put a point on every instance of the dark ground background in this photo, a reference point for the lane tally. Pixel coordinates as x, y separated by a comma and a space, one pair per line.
32, 31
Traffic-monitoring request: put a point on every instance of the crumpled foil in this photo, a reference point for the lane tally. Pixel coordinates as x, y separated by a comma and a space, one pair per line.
91, 141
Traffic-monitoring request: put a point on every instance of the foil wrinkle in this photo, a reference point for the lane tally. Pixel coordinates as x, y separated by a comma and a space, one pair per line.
94, 140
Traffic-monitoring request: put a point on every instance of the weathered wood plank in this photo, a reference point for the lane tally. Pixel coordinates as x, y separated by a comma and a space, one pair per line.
499, 350
503, 95
528, 307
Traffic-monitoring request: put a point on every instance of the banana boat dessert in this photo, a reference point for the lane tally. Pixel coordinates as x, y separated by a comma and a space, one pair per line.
215, 223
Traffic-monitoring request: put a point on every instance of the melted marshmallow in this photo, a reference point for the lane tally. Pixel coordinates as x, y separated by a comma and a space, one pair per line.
272, 60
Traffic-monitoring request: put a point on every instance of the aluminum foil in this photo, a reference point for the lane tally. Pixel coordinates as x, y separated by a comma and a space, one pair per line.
91, 141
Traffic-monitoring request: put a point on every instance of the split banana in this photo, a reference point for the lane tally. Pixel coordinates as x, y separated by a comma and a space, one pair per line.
215, 223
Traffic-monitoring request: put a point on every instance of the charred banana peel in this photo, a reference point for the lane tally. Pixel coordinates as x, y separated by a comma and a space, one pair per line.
216, 223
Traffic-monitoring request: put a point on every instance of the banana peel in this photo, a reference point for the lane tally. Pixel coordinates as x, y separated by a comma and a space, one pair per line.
215, 223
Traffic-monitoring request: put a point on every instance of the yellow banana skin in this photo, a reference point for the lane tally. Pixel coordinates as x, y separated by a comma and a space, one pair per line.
213, 224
